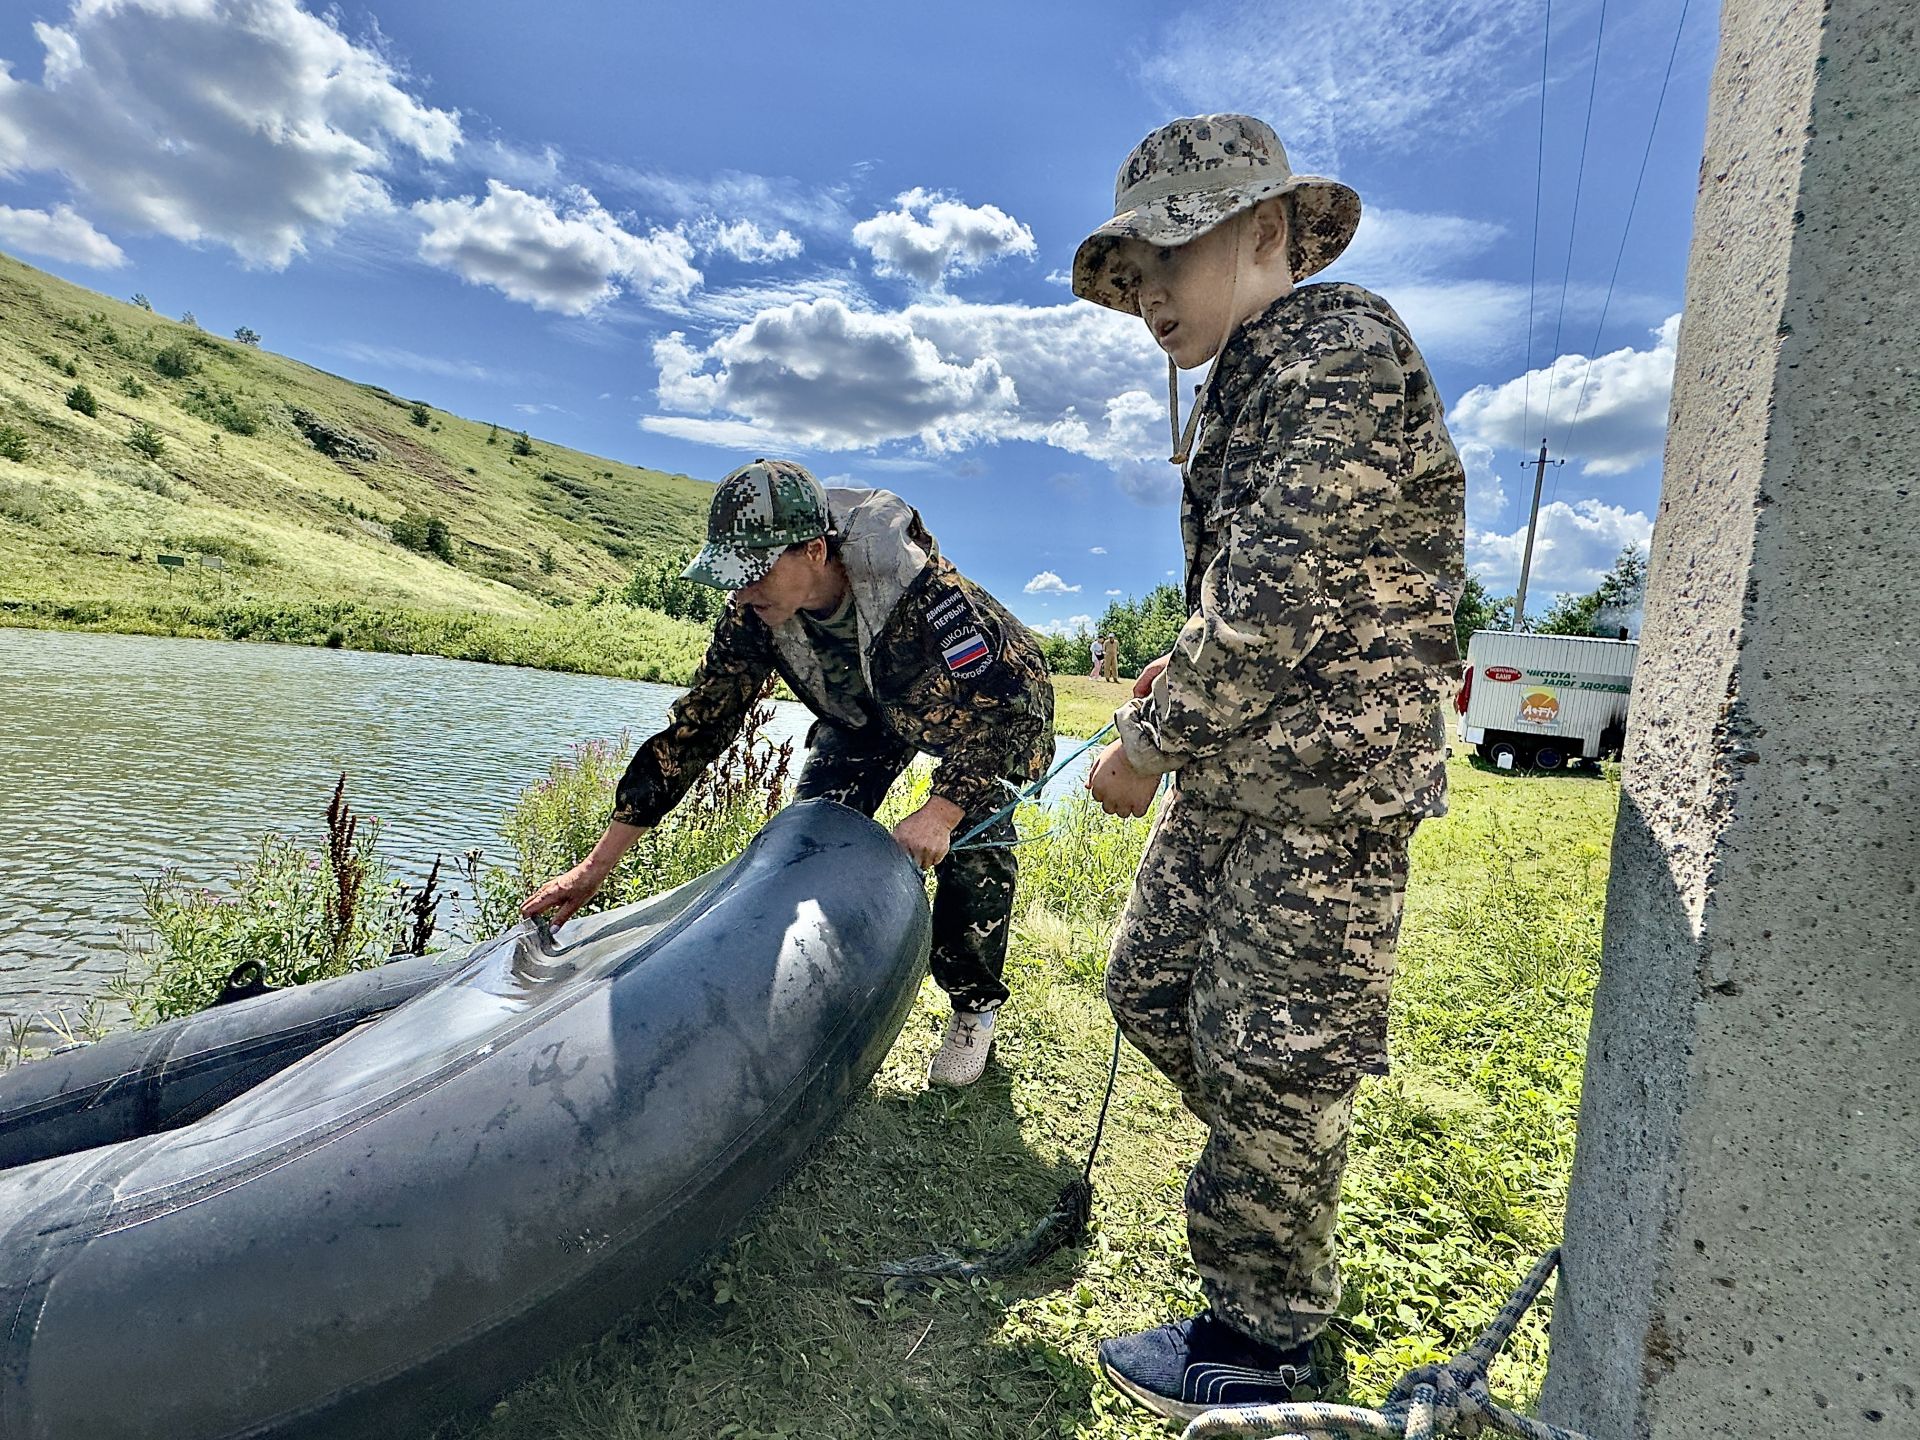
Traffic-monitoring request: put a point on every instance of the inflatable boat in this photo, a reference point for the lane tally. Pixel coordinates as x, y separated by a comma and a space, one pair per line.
360, 1207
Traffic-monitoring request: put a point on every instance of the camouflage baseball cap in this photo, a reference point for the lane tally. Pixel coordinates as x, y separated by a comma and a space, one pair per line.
1189, 176
757, 512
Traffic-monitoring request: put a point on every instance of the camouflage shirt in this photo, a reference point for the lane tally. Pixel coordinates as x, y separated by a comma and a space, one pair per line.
1325, 535
948, 670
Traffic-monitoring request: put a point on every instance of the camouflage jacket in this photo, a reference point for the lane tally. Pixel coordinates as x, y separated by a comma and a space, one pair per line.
951, 672
1324, 524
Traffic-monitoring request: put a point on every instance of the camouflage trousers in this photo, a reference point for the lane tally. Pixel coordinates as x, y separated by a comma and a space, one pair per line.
973, 890
1252, 967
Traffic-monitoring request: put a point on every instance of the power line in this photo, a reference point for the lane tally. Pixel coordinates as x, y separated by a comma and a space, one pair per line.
1573, 225
1533, 257
1593, 350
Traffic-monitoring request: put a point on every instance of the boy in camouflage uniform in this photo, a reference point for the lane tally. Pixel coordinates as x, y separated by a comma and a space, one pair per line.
845, 596
1298, 714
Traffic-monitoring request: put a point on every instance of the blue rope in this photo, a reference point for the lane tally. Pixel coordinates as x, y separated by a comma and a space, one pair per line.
1022, 794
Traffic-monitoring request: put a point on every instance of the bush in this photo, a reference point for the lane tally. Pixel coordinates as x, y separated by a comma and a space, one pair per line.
23, 502
522, 445
660, 587
131, 387
300, 914
217, 405
81, 398
247, 335
143, 439
175, 361
137, 298
13, 443
420, 415
557, 821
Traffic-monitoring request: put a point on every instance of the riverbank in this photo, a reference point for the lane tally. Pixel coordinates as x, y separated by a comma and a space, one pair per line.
1457, 1179
619, 641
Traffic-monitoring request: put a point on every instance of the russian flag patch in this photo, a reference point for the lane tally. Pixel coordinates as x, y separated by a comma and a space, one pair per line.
965, 651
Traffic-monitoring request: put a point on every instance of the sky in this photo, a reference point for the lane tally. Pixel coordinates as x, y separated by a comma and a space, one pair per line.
686, 236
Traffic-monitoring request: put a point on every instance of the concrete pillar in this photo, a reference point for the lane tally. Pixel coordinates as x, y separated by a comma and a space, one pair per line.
1743, 1234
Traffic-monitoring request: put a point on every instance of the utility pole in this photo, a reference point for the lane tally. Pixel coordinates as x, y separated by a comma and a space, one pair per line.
1533, 521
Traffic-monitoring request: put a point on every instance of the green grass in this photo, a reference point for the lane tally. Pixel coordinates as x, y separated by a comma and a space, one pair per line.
1457, 1181
83, 513
1081, 706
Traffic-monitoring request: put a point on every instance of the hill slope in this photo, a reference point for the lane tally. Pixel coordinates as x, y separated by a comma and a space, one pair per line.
295, 479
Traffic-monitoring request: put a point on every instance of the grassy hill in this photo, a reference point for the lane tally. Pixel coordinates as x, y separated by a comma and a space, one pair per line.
300, 488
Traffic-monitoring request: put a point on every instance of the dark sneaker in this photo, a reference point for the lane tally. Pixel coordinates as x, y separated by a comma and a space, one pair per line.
1191, 1366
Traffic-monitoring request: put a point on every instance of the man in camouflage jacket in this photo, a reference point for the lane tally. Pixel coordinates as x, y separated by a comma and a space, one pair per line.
845, 596
1299, 715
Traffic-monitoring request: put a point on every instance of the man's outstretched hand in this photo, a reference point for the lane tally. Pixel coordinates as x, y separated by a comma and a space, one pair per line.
927, 833
561, 897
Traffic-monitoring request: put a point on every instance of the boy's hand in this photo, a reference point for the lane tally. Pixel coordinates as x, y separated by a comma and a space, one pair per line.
1121, 789
928, 831
1144, 685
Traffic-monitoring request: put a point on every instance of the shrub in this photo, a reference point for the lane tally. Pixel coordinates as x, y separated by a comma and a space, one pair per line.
522, 445
186, 318
300, 914
247, 335
493, 434
141, 300
557, 821
23, 502
13, 443
420, 415
143, 439
217, 405
427, 534
175, 361
660, 587
547, 563
132, 387
81, 398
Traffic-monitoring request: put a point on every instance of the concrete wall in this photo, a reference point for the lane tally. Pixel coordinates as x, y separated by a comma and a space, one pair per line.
1743, 1234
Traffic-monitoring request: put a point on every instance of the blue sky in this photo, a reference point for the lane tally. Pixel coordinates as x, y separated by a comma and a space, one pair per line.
687, 235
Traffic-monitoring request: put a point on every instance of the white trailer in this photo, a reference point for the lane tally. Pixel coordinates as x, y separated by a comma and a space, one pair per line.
1544, 701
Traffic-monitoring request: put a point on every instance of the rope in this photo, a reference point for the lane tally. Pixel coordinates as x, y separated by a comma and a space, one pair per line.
1022, 794
1434, 1400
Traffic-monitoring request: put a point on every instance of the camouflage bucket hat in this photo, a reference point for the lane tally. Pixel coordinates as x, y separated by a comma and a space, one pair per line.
757, 512
1189, 176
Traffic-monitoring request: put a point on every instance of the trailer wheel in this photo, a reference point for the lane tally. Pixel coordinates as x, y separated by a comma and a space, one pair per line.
1549, 757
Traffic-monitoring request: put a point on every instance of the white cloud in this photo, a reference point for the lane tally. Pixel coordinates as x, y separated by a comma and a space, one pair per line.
952, 238
1048, 583
1364, 73
60, 234
573, 260
769, 201
1486, 496
745, 241
1098, 550
1575, 546
1114, 592
826, 375
248, 123
1610, 420
1414, 259
402, 359
1066, 629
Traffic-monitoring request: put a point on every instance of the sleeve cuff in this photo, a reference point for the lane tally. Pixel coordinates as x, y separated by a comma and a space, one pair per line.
1142, 754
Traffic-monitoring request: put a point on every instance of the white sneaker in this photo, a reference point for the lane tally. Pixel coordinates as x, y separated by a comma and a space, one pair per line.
963, 1054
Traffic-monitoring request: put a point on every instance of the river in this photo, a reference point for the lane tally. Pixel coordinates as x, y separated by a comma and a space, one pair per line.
121, 756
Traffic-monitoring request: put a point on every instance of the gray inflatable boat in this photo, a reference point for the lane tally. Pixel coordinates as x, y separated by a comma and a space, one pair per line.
380, 1207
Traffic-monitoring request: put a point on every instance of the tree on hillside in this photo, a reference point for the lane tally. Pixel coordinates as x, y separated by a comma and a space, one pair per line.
247, 335
659, 586
522, 445
186, 318
142, 301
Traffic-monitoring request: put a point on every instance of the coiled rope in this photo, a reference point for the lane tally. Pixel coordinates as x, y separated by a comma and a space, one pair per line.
1432, 1401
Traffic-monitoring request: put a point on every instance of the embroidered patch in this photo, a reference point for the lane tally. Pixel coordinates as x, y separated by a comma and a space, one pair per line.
965, 651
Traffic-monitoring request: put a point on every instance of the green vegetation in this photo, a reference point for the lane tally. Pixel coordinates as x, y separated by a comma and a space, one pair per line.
1146, 628
309, 470
296, 914
143, 439
1082, 705
81, 398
